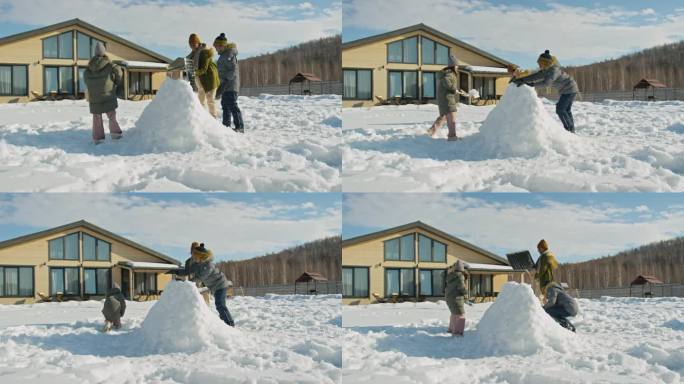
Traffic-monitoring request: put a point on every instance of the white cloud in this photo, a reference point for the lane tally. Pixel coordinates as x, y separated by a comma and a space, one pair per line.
228, 227
571, 32
641, 208
648, 11
575, 231
257, 28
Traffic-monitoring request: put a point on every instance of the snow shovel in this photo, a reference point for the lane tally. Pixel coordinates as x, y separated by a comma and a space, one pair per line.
522, 261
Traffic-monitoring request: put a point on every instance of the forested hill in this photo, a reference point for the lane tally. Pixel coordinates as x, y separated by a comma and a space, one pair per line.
663, 259
323, 256
322, 57
664, 63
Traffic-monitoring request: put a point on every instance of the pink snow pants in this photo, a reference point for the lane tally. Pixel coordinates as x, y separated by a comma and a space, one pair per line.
98, 128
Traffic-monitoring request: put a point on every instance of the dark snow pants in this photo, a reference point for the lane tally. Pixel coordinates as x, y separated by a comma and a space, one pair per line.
220, 300
230, 108
558, 312
564, 111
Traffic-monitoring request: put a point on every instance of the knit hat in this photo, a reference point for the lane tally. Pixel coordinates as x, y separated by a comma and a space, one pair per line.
193, 39
545, 58
452, 60
460, 266
200, 252
221, 40
542, 246
100, 49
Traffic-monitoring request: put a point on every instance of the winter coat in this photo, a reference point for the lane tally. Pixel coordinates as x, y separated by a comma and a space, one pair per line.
447, 91
114, 305
556, 296
455, 291
205, 68
205, 271
553, 76
546, 265
102, 78
229, 70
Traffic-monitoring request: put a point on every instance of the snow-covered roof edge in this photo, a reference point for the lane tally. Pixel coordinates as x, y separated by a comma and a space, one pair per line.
147, 265
143, 64
483, 69
488, 267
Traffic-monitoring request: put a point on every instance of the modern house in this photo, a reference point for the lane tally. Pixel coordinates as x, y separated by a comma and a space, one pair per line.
409, 261
50, 61
79, 261
402, 65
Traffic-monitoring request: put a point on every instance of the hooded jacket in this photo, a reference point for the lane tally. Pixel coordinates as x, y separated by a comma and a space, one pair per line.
455, 291
447, 91
204, 270
114, 305
546, 266
229, 69
205, 68
552, 76
102, 78
556, 297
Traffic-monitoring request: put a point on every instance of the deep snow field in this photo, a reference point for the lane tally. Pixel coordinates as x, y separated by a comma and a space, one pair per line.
291, 144
518, 146
178, 339
618, 340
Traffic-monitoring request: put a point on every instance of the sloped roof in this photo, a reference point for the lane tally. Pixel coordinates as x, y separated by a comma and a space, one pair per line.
83, 24
428, 29
310, 276
92, 227
645, 279
427, 228
645, 83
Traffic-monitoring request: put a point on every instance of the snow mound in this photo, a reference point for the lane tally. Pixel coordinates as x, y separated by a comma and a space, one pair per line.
175, 121
520, 126
516, 323
182, 322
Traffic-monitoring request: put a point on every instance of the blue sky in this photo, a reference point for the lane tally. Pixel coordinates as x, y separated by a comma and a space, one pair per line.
233, 225
577, 32
164, 26
578, 226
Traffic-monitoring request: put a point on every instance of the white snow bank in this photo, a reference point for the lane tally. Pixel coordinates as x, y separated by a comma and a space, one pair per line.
517, 324
182, 322
176, 121
520, 126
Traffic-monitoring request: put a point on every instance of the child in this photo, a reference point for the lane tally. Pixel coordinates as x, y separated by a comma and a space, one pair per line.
455, 291
114, 308
546, 264
206, 74
102, 78
447, 99
560, 305
229, 75
551, 75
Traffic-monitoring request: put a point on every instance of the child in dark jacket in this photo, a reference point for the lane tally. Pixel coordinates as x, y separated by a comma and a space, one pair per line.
114, 308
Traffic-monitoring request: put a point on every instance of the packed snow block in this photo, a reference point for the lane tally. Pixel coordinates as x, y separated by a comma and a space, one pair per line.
182, 322
520, 126
175, 121
516, 323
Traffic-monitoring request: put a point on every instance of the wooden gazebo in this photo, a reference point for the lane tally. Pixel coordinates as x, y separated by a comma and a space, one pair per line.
645, 84
643, 280
308, 277
302, 78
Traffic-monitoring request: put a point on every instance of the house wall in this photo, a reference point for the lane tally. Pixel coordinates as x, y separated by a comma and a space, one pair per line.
371, 254
30, 51
35, 253
374, 56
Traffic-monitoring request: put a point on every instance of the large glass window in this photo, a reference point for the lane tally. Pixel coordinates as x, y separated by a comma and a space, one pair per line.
83, 46
58, 79
401, 248
358, 84
103, 250
411, 50
65, 281
411, 85
392, 249
64, 248
50, 50
403, 51
432, 282
400, 281
13, 80
82, 88
441, 54
95, 249
486, 86
355, 281
394, 52
395, 81
96, 280
16, 281
66, 80
403, 84
431, 250
59, 47
145, 282
480, 285
139, 83
433, 52
428, 85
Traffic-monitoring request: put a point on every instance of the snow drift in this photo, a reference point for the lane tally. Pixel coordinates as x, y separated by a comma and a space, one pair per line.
516, 323
182, 322
176, 121
519, 126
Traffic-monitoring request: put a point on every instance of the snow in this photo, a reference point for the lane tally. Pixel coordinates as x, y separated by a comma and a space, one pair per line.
144, 64
618, 340
291, 144
143, 265
482, 69
277, 339
488, 267
518, 145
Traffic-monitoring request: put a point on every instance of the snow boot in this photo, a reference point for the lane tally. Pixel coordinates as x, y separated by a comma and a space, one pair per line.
565, 323
98, 142
239, 130
456, 325
116, 136
107, 326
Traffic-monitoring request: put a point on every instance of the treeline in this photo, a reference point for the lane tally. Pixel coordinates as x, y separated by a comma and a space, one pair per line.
322, 57
323, 256
664, 63
664, 259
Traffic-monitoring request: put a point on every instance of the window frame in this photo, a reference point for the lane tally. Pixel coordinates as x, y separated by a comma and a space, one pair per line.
139, 76
85, 292
80, 287
403, 42
434, 85
484, 81
11, 66
401, 293
434, 51
78, 248
145, 281
432, 250
59, 77
403, 93
353, 268
384, 247
432, 281
78, 90
97, 246
3, 267
481, 278
58, 57
356, 84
